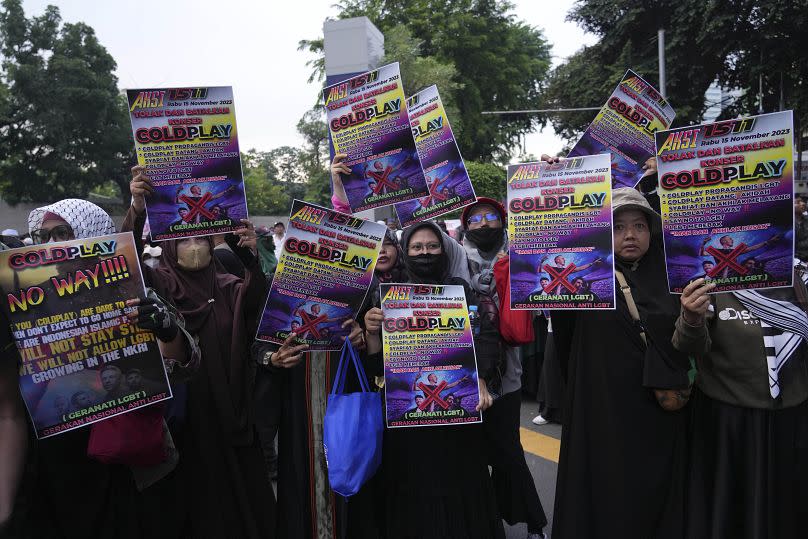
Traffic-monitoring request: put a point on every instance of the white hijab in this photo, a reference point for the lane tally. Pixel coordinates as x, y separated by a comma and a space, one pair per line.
85, 218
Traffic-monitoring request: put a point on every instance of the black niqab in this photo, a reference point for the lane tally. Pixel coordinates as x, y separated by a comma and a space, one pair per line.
425, 268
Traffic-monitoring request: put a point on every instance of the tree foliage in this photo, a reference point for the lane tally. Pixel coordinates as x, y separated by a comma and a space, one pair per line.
732, 41
274, 178
488, 179
64, 127
314, 155
419, 71
499, 63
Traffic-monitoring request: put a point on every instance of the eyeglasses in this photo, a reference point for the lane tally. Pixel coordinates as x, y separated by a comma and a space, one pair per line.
58, 233
428, 247
489, 217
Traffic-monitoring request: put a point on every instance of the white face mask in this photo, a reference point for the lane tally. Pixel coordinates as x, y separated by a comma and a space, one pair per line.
193, 254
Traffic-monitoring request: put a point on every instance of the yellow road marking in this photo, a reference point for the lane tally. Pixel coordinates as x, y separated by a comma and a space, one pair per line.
540, 445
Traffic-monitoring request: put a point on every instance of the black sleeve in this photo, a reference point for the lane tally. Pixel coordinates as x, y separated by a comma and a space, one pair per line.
664, 367
487, 342
373, 365
230, 261
259, 349
563, 324
372, 299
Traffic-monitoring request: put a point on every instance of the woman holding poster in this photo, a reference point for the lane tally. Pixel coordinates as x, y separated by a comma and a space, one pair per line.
65, 477
749, 439
221, 472
458, 501
622, 456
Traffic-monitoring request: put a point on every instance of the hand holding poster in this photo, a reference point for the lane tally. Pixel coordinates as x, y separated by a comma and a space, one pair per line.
430, 369
186, 139
560, 226
726, 193
368, 121
322, 278
625, 127
82, 361
446, 177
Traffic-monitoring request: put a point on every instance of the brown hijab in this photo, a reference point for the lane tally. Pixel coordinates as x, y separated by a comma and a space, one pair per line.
212, 302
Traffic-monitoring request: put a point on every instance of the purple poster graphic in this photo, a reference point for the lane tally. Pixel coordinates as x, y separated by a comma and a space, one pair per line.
187, 140
430, 368
726, 192
322, 278
368, 121
625, 127
560, 226
446, 177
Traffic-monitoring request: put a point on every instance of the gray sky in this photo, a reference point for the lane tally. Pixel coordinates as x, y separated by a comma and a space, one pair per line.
252, 46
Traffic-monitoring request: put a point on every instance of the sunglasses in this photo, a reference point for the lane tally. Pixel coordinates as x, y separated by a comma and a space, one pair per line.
489, 217
58, 233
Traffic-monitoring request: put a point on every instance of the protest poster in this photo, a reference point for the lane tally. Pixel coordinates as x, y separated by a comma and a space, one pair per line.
81, 359
186, 138
322, 277
430, 368
368, 121
726, 192
560, 230
448, 182
625, 127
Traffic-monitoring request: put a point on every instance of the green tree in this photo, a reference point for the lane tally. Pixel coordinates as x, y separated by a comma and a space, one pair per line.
265, 197
64, 126
314, 156
735, 42
419, 71
488, 179
499, 63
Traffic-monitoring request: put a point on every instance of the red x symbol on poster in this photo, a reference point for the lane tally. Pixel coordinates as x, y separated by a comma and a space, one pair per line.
434, 195
433, 190
727, 260
197, 207
559, 278
310, 324
382, 180
433, 395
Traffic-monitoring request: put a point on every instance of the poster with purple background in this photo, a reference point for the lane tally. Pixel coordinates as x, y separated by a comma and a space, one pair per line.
322, 278
726, 191
187, 140
430, 368
560, 227
625, 127
81, 359
368, 121
446, 177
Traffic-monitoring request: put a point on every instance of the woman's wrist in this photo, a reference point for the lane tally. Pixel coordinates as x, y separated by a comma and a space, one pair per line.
692, 319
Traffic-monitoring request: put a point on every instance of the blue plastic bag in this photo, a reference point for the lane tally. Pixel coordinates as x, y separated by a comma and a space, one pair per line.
352, 429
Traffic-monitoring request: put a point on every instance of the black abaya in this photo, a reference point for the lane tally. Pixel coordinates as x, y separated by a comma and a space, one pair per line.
435, 479
767, 499
621, 468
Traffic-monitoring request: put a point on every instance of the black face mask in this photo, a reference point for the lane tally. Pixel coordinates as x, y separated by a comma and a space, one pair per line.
428, 266
486, 238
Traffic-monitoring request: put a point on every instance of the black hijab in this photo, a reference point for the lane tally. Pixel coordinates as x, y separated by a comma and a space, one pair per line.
397, 273
664, 366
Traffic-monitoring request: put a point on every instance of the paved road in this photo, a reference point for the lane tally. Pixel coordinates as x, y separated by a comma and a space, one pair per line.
541, 451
